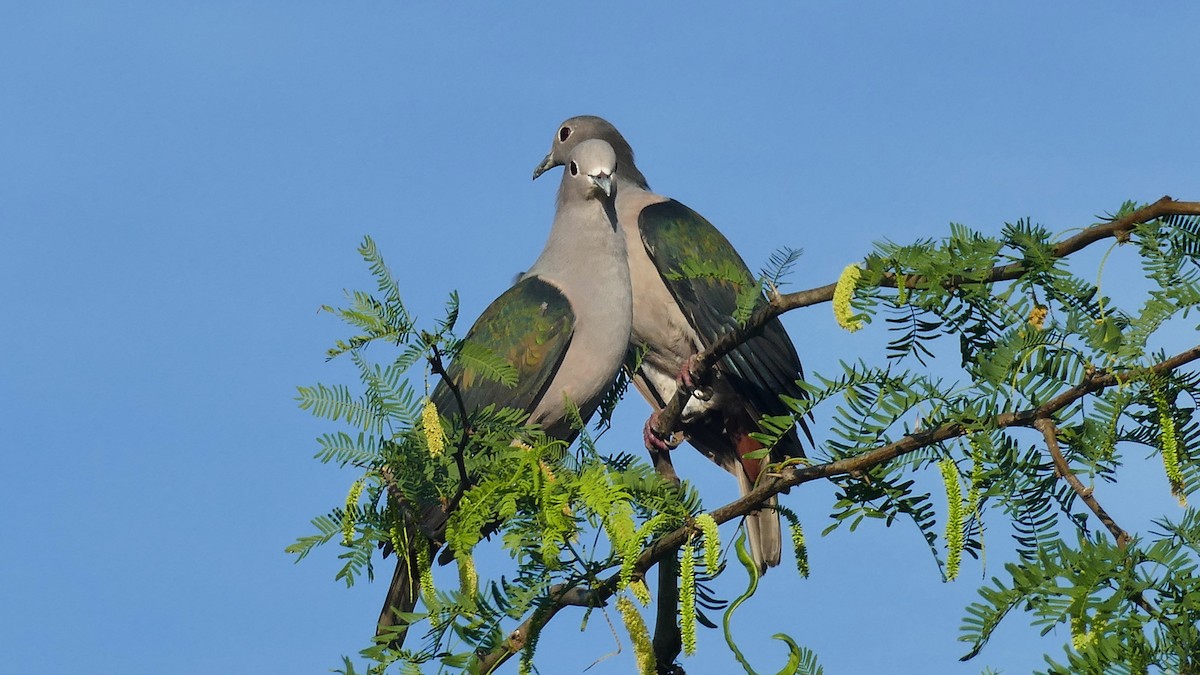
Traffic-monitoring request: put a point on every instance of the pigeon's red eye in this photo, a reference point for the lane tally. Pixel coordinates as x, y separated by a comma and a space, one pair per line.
574, 169
563, 134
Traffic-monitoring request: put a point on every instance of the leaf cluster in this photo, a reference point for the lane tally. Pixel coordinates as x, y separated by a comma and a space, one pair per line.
1020, 344
567, 518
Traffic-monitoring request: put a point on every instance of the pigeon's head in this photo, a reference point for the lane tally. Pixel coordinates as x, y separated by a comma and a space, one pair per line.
575, 131
589, 171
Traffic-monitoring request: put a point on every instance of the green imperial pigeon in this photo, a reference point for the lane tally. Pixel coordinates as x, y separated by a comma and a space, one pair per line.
564, 326
685, 289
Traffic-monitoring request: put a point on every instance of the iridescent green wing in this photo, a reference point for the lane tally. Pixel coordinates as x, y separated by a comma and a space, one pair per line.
710, 281
529, 327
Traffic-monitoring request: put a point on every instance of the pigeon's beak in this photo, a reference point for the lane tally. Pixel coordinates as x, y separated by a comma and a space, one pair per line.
604, 182
546, 165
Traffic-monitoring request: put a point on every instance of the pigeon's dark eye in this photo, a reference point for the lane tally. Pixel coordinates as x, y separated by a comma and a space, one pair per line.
563, 134
574, 169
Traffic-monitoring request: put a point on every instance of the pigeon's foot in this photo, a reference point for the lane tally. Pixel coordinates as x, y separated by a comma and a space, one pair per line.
693, 383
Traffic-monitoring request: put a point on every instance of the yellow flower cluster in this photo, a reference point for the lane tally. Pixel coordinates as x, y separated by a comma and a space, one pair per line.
843, 293
954, 517
687, 598
1081, 638
801, 549
1037, 316
632, 547
640, 591
431, 425
468, 578
712, 541
1170, 444
636, 626
350, 515
976, 475
425, 563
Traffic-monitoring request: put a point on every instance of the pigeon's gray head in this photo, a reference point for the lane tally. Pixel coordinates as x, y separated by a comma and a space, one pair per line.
575, 131
589, 172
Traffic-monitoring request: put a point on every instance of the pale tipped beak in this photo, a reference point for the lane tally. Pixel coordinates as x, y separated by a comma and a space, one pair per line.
546, 165
604, 182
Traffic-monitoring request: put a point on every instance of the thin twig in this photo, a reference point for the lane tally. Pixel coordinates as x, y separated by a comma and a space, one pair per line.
1050, 433
439, 369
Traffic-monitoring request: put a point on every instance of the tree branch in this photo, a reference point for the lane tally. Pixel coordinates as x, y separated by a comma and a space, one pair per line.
791, 476
667, 639
1050, 433
667, 422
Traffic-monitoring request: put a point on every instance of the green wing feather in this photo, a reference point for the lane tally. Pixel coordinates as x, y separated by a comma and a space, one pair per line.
713, 288
525, 332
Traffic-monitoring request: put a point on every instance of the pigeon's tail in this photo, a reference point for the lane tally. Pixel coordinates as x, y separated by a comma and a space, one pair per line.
762, 526
726, 440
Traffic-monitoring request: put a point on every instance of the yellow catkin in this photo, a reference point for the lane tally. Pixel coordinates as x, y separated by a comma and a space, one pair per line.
631, 548
636, 626
639, 590
801, 548
629, 554
468, 578
1037, 316
843, 293
431, 425
712, 541
687, 598
954, 517
425, 563
976, 475
350, 515
973, 491
1170, 444
399, 544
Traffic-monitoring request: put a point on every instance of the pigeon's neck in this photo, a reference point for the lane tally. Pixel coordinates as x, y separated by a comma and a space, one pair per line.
631, 199
585, 248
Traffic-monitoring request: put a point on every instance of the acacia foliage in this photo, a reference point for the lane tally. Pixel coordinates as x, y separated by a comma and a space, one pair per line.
576, 521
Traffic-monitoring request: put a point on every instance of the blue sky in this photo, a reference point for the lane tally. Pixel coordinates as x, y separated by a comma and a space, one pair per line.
183, 184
